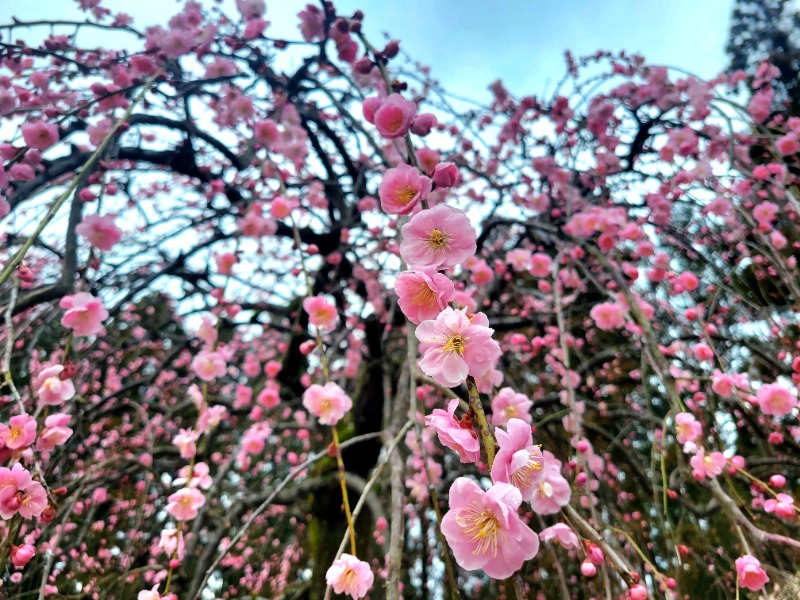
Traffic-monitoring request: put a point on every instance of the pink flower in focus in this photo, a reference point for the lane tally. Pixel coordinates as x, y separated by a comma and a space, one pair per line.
563, 534
774, 399
184, 504
208, 365
508, 404
782, 506
99, 231
402, 189
484, 529
321, 313
422, 295
453, 346
55, 432
608, 315
51, 389
749, 573
553, 490
84, 314
394, 116
440, 237
40, 135
707, 465
457, 435
518, 461
348, 575
19, 433
19, 493
329, 403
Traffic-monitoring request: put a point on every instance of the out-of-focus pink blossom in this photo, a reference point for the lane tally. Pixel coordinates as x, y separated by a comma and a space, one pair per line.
508, 404
84, 314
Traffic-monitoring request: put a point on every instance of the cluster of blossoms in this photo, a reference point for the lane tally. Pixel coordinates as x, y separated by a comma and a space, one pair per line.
612, 281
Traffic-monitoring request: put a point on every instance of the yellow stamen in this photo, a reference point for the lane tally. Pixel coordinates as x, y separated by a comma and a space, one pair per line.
455, 344
437, 239
482, 527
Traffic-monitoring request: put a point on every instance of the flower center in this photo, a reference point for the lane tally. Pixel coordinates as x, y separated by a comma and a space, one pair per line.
326, 405
524, 476
482, 528
406, 195
511, 411
424, 296
437, 239
455, 344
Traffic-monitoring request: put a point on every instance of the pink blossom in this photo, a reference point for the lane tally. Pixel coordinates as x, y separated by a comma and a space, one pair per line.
518, 461
553, 491
454, 346
186, 442
788, 144
608, 315
765, 214
55, 432
687, 428
349, 575
774, 399
19, 493
40, 135
208, 365
312, 23
440, 237
749, 573
100, 231
84, 314
724, 384
151, 594
446, 175
541, 265
423, 294
519, 259
563, 534
194, 476
458, 435
393, 118
19, 433
184, 504
782, 506
328, 403
51, 389
508, 404
484, 529
707, 465
321, 313
20, 555
402, 189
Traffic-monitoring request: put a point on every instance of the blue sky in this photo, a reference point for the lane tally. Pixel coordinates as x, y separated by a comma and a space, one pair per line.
470, 43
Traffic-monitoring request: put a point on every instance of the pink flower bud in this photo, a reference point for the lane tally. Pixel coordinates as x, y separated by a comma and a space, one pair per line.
445, 175
20, 555
423, 124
